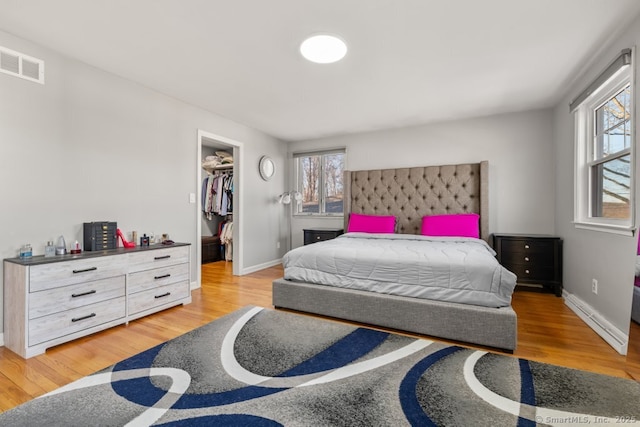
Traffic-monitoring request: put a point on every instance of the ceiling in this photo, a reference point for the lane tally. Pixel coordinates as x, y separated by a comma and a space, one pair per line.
410, 62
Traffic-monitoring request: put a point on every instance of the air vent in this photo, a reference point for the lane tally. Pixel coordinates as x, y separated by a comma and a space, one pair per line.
20, 65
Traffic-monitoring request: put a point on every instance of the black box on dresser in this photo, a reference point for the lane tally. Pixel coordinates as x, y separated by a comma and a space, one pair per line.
100, 235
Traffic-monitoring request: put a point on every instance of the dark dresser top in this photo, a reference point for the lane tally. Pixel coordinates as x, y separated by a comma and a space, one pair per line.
41, 259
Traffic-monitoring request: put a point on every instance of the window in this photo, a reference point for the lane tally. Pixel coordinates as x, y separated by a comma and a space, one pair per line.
320, 181
604, 150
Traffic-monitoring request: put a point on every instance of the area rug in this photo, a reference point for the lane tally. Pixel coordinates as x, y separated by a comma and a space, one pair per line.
262, 367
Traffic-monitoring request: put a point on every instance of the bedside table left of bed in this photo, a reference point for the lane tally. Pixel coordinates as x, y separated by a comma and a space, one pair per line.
313, 235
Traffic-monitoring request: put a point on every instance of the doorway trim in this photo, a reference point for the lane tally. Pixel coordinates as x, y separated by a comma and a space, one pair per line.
238, 151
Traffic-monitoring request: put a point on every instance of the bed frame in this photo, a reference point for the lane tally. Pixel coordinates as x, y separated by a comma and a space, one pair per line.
410, 194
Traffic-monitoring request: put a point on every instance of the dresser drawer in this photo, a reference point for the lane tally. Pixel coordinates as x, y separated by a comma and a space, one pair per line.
67, 322
157, 297
147, 260
55, 300
150, 279
57, 274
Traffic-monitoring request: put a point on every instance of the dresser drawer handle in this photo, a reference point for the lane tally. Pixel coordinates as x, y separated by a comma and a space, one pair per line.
318, 237
526, 271
83, 294
526, 258
89, 316
163, 295
85, 270
164, 276
526, 246
162, 257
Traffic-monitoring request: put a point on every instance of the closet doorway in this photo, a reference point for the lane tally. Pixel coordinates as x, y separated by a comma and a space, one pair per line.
210, 218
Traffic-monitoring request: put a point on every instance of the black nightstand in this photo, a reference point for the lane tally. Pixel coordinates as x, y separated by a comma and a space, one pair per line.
533, 258
313, 235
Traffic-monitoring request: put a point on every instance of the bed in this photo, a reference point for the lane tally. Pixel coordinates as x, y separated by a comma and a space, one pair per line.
408, 195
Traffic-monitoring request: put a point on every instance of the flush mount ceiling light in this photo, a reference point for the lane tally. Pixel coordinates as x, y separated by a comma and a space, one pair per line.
323, 49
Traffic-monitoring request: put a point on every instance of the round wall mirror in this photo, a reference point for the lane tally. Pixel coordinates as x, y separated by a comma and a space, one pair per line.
267, 168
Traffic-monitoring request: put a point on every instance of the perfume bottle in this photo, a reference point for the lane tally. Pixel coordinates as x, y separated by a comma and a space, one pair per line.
26, 251
61, 247
76, 249
49, 250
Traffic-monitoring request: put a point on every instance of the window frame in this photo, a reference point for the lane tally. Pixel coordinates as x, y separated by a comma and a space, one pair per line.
297, 210
585, 189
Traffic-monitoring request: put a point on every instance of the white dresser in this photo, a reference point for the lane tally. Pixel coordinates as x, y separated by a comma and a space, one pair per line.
48, 301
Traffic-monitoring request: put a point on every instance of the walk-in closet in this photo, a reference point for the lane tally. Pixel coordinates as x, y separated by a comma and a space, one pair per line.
217, 189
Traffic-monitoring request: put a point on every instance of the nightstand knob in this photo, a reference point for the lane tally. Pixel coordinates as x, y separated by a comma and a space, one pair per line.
526, 271
317, 238
526, 258
526, 246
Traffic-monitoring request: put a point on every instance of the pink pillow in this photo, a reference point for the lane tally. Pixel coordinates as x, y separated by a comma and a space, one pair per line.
371, 223
458, 225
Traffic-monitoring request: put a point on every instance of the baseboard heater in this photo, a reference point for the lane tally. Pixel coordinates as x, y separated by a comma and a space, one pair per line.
612, 335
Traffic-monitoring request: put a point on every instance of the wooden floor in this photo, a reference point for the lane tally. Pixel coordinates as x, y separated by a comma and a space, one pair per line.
547, 331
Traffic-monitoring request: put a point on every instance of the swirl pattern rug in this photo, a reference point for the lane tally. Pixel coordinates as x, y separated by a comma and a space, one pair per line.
261, 367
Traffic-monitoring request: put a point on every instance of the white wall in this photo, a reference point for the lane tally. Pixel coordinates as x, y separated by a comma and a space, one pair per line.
518, 147
90, 146
609, 258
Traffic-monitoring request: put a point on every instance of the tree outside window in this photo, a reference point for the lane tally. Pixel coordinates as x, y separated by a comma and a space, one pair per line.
320, 181
611, 159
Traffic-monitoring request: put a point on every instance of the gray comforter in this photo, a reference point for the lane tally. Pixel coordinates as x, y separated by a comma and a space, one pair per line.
454, 269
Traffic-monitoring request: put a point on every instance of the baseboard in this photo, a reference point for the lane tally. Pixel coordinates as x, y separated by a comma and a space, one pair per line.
2, 340
612, 335
254, 268
194, 285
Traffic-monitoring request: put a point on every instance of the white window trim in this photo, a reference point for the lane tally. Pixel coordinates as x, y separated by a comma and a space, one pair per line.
583, 122
298, 175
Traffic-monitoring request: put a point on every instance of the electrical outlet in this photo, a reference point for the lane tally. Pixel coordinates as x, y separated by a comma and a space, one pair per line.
594, 286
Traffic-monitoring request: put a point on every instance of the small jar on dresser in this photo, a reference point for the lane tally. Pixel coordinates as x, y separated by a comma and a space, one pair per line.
534, 258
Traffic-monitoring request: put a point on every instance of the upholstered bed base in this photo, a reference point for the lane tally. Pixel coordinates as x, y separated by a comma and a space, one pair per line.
490, 327
635, 305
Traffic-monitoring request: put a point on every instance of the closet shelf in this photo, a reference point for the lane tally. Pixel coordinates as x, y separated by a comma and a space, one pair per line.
211, 169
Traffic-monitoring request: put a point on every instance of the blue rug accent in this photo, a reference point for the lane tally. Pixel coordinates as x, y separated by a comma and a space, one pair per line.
139, 361
232, 420
191, 401
138, 390
408, 398
527, 391
353, 346
143, 392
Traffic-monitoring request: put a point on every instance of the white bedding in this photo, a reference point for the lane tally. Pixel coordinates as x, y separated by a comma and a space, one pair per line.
454, 269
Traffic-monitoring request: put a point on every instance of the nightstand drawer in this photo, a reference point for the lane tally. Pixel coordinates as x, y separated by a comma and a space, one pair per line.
522, 246
321, 234
528, 258
525, 272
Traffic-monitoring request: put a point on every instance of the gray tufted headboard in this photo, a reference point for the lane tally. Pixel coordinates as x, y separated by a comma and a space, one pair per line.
411, 193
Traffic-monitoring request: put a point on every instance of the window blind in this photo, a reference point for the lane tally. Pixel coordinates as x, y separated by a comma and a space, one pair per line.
621, 61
